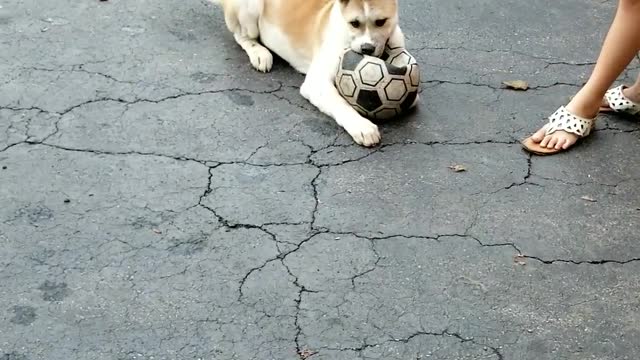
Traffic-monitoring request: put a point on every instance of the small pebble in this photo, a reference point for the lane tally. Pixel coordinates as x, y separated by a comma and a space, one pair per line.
4, 167
66, 201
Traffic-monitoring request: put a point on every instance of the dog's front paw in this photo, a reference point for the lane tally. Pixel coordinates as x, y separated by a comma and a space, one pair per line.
364, 132
261, 58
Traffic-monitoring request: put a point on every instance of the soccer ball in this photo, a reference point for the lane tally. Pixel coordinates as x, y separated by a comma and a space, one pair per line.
379, 88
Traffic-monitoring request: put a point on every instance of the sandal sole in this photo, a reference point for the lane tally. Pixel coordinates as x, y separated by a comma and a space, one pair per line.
529, 145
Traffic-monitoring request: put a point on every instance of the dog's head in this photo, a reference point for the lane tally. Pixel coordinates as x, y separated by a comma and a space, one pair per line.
370, 23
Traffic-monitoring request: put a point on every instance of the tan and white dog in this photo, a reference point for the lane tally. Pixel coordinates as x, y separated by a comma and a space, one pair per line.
311, 35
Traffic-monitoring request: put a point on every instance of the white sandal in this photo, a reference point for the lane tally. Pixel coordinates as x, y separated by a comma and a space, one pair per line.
618, 103
561, 120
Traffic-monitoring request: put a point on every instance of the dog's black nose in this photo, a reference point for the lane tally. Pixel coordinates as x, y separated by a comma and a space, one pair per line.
368, 49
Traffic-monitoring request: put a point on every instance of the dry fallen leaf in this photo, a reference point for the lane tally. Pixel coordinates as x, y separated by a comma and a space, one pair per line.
520, 259
305, 354
516, 84
458, 168
588, 198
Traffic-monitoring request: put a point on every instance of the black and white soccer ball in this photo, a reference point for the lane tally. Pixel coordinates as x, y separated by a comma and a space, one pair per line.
379, 88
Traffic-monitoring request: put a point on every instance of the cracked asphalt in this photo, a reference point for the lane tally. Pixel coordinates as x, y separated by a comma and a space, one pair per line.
161, 200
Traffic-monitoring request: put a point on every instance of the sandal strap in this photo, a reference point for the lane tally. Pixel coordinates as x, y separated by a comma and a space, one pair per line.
563, 120
620, 103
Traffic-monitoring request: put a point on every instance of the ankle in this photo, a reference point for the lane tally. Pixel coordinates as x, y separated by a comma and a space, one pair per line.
584, 106
633, 93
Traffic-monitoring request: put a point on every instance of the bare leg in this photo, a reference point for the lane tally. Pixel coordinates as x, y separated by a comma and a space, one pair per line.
620, 46
633, 91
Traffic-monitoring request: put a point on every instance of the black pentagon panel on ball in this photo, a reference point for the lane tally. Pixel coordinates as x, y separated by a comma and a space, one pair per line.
371, 73
396, 70
350, 60
408, 102
369, 100
395, 90
347, 85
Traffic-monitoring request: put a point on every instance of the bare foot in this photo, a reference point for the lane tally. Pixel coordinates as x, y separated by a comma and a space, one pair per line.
562, 139
558, 140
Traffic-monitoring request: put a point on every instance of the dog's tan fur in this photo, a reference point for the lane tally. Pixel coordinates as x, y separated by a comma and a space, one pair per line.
303, 23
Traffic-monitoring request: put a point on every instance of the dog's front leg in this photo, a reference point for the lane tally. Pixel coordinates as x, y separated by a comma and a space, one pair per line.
322, 93
320, 90
397, 39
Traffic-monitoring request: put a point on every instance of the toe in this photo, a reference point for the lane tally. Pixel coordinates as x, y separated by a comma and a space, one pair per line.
545, 141
560, 143
552, 142
372, 139
538, 136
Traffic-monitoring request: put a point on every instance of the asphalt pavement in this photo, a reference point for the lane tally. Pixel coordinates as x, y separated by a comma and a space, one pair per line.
159, 199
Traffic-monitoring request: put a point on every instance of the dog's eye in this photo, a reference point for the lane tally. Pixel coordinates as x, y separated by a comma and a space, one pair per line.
355, 24
381, 22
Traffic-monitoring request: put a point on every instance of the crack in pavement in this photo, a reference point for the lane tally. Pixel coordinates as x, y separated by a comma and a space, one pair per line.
373, 267
441, 237
552, 63
138, 100
549, 61
301, 289
316, 204
79, 68
290, 102
609, 130
530, 176
570, 183
381, 147
525, 180
445, 333
496, 87
103, 152
581, 262
437, 238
